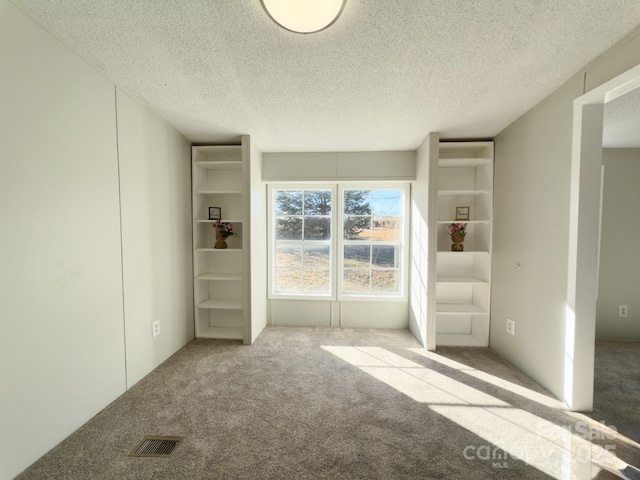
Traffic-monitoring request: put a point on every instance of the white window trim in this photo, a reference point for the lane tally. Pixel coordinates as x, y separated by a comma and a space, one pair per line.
272, 295
403, 295
337, 243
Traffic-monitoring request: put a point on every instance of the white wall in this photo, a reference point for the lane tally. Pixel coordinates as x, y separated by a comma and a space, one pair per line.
343, 167
619, 259
62, 342
155, 189
531, 224
531, 217
422, 319
61, 327
258, 252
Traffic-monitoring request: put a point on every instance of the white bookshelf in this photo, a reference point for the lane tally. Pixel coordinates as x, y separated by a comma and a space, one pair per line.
221, 298
464, 177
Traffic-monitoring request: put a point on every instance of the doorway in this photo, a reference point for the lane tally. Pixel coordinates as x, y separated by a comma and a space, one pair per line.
584, 230
617, 351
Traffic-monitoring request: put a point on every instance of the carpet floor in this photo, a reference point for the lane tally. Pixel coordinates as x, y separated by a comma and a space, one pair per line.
314, 403
617, 386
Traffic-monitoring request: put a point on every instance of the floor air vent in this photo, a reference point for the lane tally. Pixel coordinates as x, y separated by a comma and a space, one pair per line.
151, 446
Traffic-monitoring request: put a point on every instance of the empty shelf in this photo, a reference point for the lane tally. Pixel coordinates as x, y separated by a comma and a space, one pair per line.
458, 309
221, 304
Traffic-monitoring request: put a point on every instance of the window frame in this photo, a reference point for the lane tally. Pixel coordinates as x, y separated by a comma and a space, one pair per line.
403, 260
336, 243
271, 248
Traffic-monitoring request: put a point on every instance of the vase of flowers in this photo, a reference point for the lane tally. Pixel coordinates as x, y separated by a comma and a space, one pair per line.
457, 231
224, 230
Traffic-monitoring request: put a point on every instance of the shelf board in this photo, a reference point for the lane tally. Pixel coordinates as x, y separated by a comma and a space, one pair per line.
222, 333
475, 280
458, 309
228, 277
470, 222
463, 162
457, 193
470, 252
221, 304
211, 249
218, 192
213, 221
220, 164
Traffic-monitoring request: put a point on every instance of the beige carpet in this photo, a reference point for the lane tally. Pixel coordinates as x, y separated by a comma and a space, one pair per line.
617, 386
310, 403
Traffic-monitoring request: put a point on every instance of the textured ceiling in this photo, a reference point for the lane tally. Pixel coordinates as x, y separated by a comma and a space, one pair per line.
382, 77
622, 121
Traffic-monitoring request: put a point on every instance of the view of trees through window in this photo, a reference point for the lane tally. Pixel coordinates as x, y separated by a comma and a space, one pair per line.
371, 223
302, 220
371, 245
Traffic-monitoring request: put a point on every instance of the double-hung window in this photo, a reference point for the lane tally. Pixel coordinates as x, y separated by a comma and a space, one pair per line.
338, 242
372, 241
301, 236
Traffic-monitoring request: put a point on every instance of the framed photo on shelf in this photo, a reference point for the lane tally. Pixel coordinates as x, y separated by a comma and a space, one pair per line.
215, 213
462, 213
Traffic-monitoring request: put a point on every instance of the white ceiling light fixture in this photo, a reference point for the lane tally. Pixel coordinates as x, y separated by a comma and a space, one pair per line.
304, 16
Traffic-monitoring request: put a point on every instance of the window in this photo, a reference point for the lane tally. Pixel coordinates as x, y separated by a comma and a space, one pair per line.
302, 253
372, 241
365, 225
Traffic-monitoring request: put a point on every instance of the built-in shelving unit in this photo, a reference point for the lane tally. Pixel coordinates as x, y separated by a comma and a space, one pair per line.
464, 178
221, 287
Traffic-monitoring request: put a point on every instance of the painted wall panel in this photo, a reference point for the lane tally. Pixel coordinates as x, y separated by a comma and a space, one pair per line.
300, 313
398, 165
155, 189
258, 271
531, 229
423, 245
374, 314
531, 215
620, 58
339, 167
293, 166
316, 313
311, 166
61, 321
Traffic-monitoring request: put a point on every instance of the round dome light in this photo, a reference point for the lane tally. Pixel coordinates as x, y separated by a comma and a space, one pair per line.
303, 16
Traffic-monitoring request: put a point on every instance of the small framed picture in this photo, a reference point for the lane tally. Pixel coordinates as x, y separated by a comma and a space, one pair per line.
462, 213
215, 213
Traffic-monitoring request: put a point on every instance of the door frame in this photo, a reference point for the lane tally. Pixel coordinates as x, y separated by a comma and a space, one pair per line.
584, 234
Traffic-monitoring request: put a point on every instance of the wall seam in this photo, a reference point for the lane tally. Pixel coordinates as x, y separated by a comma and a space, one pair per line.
124, 323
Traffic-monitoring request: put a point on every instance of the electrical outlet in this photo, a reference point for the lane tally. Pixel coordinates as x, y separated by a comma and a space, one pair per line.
511, 327
623, 310
155, 328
